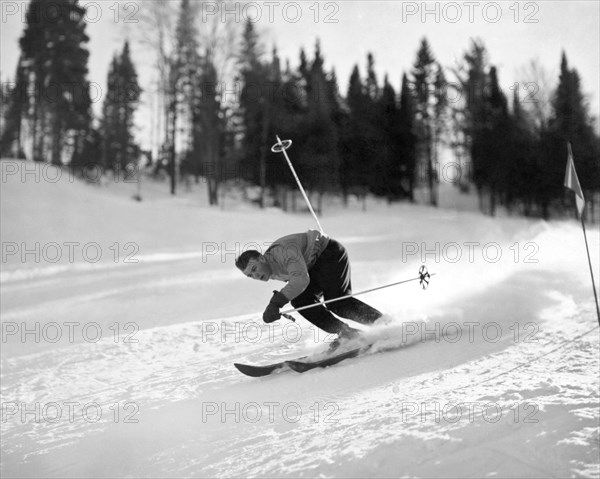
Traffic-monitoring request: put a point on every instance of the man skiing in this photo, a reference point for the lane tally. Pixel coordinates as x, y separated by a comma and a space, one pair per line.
314, 267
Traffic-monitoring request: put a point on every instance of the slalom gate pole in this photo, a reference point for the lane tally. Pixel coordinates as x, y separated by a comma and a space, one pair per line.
572, 183
591, 269
423, 277
280, 147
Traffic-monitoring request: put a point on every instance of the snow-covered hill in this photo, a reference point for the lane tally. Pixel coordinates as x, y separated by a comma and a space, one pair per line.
121, 321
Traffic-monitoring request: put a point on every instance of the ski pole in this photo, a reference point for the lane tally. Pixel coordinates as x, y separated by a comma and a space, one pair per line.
280, 147
423, 278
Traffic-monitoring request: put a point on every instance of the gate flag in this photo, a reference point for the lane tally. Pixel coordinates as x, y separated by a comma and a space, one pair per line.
572, 182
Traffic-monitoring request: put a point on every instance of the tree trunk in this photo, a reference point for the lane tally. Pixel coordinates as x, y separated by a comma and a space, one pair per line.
492, 203
40, 134
171, 135
480, 199
34, 131
545, 210
263, 176
18, 134
56, 142
431, 174
212, 150
213, 191
320, 202
263, 155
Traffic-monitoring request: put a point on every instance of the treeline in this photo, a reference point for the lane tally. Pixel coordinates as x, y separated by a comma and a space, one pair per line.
49, 103
518, 152
383, 137
375, 140
365, 141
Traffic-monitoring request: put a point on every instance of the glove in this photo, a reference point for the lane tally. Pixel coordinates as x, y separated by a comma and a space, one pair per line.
272, 312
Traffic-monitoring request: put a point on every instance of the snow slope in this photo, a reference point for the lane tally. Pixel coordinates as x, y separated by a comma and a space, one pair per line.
491, 372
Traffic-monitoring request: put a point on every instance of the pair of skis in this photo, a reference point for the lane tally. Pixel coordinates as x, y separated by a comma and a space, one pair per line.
300, 365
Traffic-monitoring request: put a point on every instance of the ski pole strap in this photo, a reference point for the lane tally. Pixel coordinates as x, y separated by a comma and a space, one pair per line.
423, 279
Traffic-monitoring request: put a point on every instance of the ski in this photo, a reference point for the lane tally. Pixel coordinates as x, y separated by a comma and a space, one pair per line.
302, 366
259, 371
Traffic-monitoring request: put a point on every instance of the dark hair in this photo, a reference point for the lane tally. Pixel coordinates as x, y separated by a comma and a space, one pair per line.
242, 261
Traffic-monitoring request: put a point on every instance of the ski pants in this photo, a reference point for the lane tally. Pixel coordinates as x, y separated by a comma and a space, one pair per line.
329, 279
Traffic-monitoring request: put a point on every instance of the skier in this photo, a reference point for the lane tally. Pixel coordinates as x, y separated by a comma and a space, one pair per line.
314, 267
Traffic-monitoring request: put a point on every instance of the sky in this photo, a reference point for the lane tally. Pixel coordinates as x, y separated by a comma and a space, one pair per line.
514, 34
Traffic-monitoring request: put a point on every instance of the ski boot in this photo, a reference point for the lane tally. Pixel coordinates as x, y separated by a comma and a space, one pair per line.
347, 333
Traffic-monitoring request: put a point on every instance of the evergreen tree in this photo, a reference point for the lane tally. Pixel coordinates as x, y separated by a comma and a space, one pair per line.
440, 119
371, 86
407, 159
280, 122
319, 153
355, 146
53, 43
378, 125
188, 65
521, 164
471, 113
388, 175
182, 74
304, 72
289, 119
33, 44
338, 115
272, 103
375, 132
15, 114
123, 94
111, 122
252, 107
89, 154
424, 74
493, 141
131, 97
569, 122
209, 128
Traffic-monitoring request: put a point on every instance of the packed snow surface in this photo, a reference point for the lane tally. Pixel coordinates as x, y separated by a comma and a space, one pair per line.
121, 321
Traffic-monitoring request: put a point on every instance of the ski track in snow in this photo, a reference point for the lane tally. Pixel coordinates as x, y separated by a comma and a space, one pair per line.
378, 415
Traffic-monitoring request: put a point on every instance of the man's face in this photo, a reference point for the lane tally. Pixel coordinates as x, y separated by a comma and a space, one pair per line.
258, 269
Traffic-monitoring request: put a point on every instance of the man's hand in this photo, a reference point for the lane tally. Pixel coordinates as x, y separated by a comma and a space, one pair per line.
272, 311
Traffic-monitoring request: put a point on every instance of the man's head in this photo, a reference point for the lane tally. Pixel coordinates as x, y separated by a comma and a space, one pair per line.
254, 265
